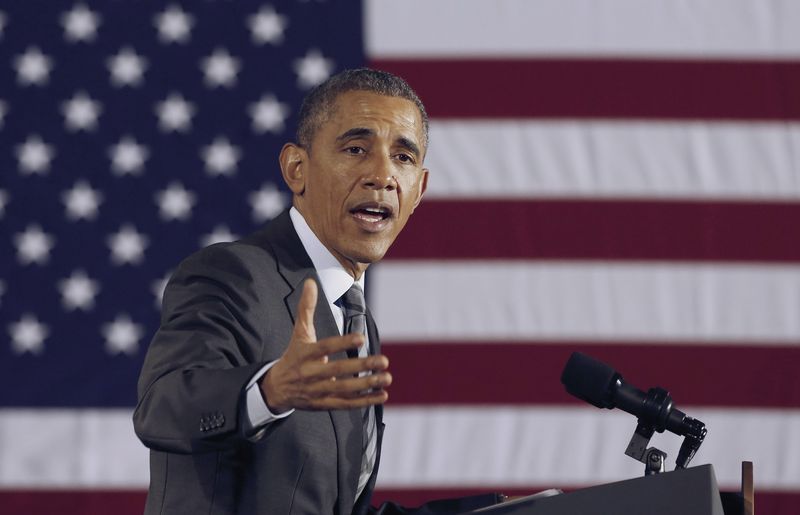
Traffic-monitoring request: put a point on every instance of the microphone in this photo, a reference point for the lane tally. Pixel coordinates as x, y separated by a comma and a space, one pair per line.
600, 385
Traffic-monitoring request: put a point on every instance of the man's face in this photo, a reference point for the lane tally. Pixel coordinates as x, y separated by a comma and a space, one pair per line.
362, 177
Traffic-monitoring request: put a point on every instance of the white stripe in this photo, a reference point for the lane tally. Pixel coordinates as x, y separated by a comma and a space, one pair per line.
425, 447
696, 28
519, 159
527, 300
66, 448
562, 446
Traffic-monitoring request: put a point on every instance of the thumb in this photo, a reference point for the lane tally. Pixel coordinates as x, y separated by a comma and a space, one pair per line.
304, 325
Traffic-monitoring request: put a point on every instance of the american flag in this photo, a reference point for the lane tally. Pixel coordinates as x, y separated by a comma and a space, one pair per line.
620, 178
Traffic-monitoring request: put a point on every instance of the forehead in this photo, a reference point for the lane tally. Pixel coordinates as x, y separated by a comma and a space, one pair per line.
386, 115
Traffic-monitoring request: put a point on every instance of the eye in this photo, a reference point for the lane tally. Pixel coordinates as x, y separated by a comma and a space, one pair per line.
405, 158
354, 150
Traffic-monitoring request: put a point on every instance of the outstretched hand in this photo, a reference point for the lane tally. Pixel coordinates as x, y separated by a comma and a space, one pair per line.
304, 377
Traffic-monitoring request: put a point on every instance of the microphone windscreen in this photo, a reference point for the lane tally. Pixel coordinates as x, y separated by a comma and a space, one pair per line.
589, 380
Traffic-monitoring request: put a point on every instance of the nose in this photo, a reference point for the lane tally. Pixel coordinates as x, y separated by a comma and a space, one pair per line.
380, 176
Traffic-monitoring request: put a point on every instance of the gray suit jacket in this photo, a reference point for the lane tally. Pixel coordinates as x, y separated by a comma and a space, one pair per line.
228, 310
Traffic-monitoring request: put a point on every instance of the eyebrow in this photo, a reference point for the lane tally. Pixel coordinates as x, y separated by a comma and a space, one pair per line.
356, 132
409, 145
363, 132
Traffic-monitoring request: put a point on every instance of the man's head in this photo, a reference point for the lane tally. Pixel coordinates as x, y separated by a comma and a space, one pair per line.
319, 103
356, 171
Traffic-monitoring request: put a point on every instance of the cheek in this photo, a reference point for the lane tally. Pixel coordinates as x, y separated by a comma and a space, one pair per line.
409, 188
329, 194
406, 179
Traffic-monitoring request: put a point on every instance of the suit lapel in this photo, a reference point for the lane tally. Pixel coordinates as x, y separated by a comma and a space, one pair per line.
375, 348
295, 266
372, 332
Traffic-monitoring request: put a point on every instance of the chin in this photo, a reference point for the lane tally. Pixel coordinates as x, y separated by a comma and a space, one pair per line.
369, 253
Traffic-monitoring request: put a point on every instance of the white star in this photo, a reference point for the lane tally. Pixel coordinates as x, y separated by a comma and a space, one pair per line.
219, 234
81, 112
78, 291
175, 202
157, 288
3, 111
126, 68
80, 23
267, 26
220, 157
268, 114
34, 156
33, 245
312, 69
267, 202
81, 201
122, 335
33, 67
127, 245
28, 335
3, 202
220, 68
127, 157
175, 113
173, 25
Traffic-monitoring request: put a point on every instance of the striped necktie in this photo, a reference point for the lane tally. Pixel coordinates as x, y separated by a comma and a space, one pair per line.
355, 321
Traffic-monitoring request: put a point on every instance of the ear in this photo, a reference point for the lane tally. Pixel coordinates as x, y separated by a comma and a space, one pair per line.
422, 187
293, 161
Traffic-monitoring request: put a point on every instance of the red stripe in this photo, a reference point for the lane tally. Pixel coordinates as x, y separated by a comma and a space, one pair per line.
767, 503
72, 502
597, 229
604, 88
530, 373
47, 502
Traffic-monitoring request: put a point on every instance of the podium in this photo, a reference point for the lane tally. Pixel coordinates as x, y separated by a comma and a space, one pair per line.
691, 491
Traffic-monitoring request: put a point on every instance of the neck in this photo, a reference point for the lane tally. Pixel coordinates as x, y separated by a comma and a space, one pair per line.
353, 268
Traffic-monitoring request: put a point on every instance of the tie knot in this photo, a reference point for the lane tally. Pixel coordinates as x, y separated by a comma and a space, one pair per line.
353, 301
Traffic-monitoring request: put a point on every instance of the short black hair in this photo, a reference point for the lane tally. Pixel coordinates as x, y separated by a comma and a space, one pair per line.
319, 101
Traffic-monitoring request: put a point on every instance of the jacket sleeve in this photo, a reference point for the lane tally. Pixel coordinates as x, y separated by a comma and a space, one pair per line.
208, 347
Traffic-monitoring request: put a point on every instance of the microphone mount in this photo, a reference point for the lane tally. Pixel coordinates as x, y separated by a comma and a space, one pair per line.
656, 409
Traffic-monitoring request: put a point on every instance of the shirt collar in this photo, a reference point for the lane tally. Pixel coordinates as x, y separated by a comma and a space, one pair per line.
334, 278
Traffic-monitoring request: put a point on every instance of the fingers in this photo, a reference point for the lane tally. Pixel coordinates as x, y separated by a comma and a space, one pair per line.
335, 344
348, 400
350, 387
344, 367
376, 397
304, 325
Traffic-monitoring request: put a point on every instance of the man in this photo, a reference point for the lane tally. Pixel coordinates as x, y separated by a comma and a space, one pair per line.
262, 391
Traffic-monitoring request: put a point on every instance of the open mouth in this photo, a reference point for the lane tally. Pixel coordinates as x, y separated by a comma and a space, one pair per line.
372, 212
